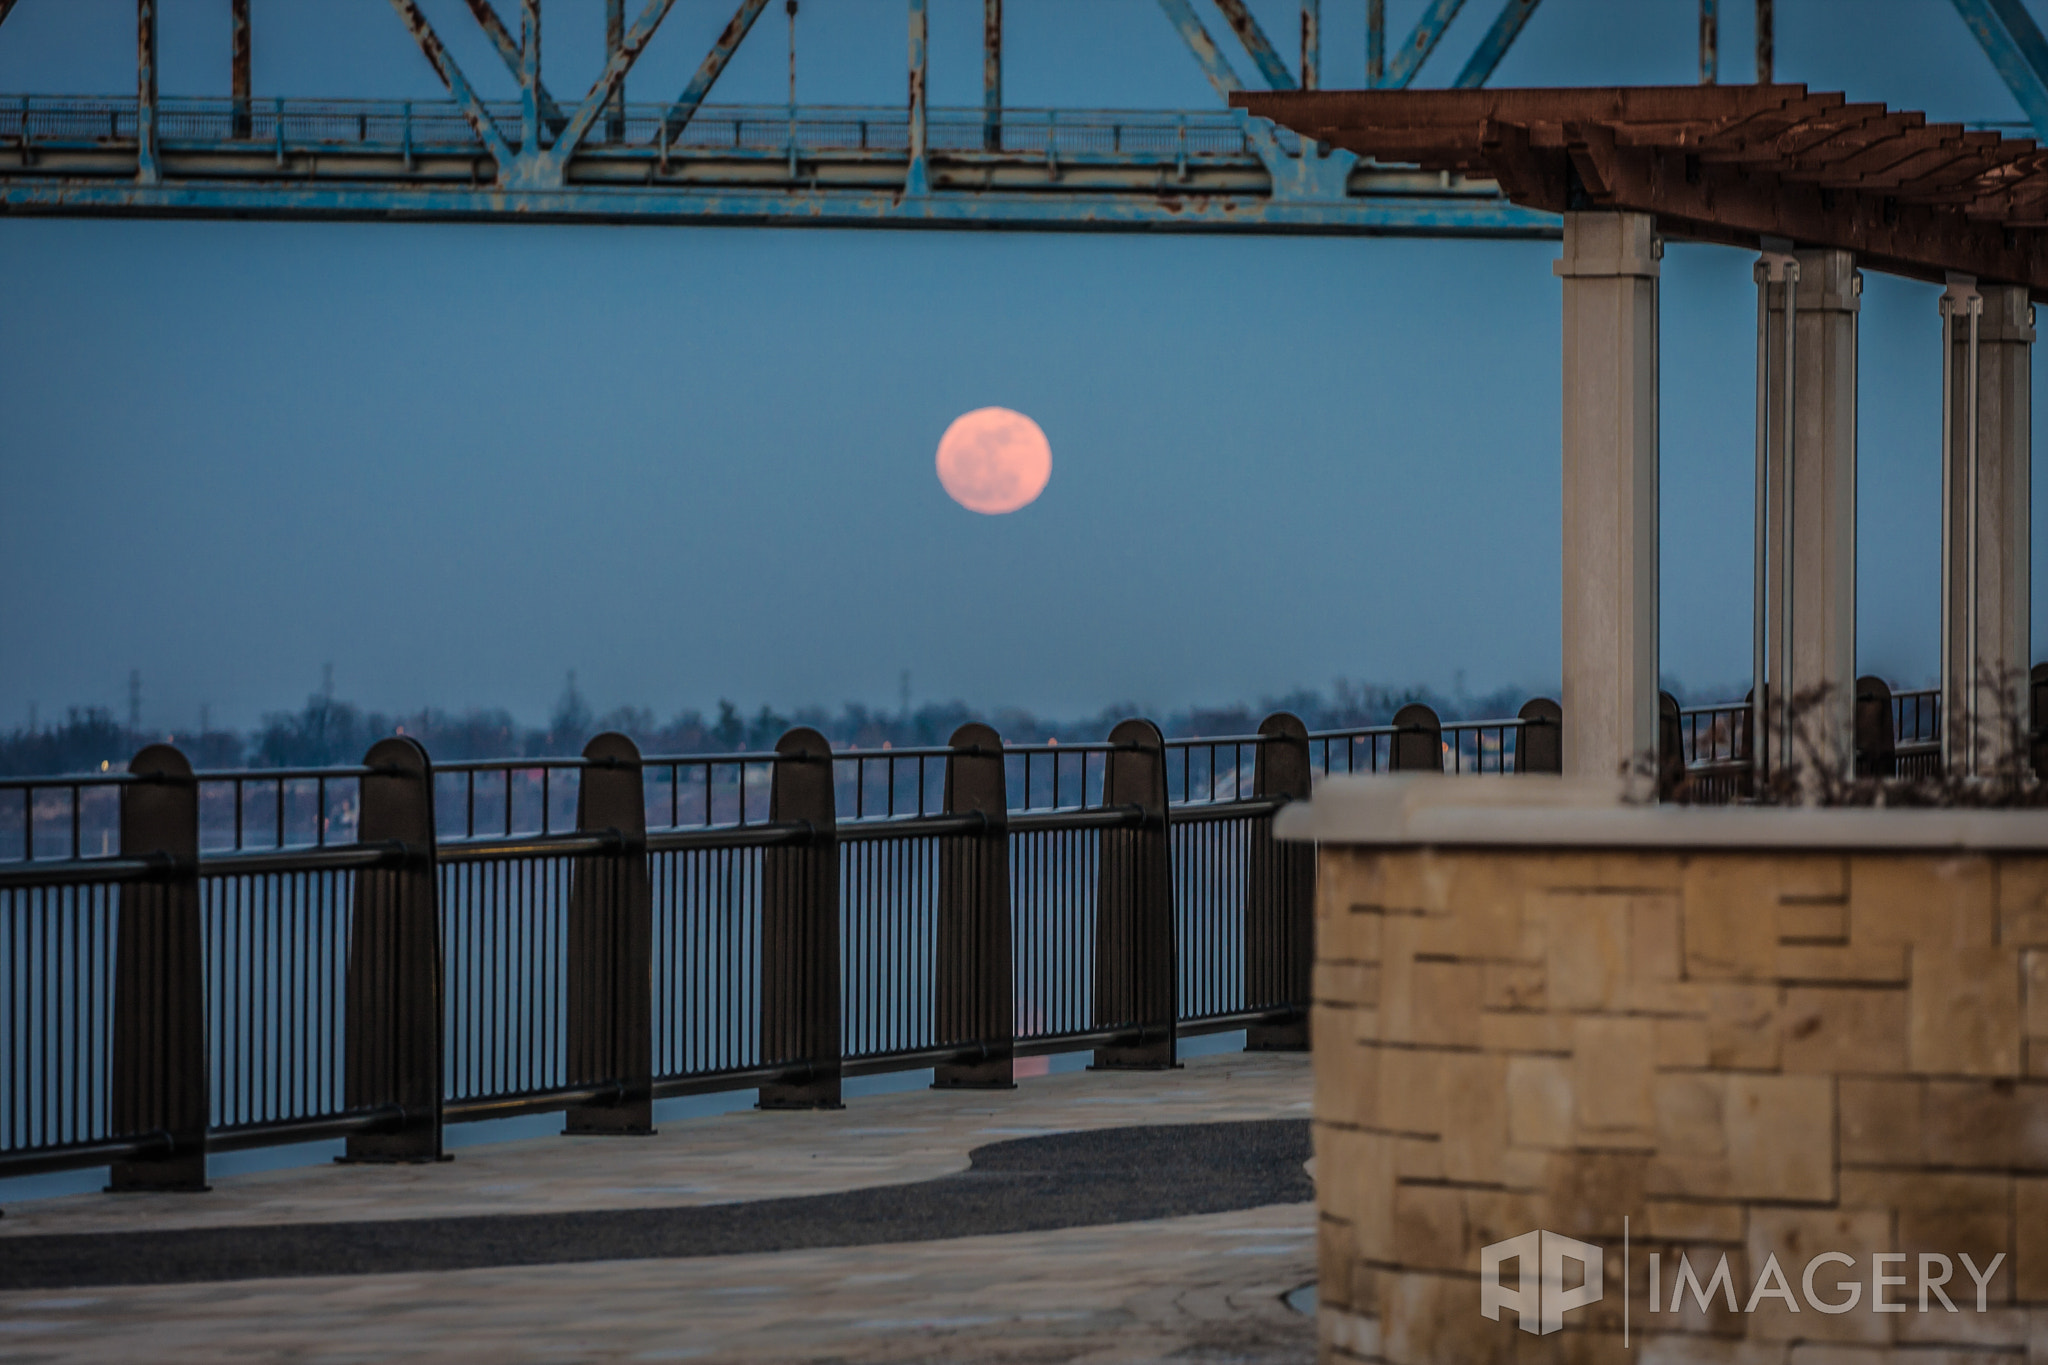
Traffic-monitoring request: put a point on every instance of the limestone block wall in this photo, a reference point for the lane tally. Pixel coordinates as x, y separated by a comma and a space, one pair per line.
1743, 1054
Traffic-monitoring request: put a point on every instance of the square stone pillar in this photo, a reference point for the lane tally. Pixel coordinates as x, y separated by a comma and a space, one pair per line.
1609, 268
1986, 644
1811, 619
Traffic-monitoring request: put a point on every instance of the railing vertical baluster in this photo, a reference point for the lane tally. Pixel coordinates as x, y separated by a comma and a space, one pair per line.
972, 996
800, 928
394, 1017
611, 943
1135, 969
1279, 895
159, 1073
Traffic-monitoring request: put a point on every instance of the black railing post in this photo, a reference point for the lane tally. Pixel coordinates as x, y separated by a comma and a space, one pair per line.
1418, 741
1539, 748
159, 1083
972, 994
1135, 957
1670, 747
611, 945
394, 1006
1279, 895
1877, 744
2037, 720
800, 929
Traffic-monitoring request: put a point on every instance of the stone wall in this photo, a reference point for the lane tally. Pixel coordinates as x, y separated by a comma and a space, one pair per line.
1743, 1054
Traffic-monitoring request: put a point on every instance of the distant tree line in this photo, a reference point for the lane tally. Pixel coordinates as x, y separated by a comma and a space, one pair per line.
328, 731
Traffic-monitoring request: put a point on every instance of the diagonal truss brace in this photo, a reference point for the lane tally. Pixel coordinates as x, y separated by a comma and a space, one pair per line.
443, 62
1507, 26
1240, 19
508, 49
532, 166
685, 108
1311, 176
1422, 40
2013, 42
1182, 16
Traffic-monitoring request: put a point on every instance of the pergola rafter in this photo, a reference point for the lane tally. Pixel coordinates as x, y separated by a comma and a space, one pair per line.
1732, 164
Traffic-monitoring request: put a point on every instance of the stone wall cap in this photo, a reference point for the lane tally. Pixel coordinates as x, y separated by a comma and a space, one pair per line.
1428, 810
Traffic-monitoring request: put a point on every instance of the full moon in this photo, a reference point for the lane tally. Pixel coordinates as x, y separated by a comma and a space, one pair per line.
993, 460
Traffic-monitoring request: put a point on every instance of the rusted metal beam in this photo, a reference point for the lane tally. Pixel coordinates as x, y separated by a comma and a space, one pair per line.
992, 75
508, 52
918, 179
1260, 48
1507, 26
631, 44
148, 169
1375, 42
1311, 44
1765, 44
1182, 16
709, 70
614, 36
238, 44
529, 76
1422, 40
1710, 42
438, 57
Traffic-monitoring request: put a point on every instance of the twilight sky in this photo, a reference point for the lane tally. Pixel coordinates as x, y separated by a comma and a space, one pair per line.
456, 461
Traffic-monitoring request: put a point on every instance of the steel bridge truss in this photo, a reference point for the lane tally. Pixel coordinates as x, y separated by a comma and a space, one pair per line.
595, 157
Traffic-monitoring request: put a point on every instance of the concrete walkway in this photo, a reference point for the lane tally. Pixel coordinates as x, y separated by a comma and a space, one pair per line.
1206, 1286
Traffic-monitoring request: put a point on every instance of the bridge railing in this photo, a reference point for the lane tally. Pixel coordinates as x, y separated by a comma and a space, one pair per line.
439, 127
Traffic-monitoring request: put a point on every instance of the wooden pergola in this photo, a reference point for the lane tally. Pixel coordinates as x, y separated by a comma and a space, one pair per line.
1720, 163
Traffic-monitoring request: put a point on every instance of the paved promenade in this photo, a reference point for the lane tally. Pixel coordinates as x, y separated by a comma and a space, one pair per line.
1168, 1225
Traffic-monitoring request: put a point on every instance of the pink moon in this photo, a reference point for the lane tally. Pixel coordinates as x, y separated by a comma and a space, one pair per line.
993, 460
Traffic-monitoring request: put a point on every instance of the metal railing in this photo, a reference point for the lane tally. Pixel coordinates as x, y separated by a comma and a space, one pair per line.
204, 961
424, 128
477, 940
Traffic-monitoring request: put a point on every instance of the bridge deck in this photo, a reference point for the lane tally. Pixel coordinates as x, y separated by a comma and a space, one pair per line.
1084, 1280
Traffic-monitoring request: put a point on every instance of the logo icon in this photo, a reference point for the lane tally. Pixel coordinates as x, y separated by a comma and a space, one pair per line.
1541, 1300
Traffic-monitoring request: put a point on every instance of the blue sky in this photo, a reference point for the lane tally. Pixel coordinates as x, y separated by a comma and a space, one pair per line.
456, 461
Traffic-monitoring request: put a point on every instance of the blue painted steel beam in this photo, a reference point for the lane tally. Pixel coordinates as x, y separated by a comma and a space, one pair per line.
1260, 48
1507, 25
713, 65
1428, 32
2010, 37
1185, 22
1392, 215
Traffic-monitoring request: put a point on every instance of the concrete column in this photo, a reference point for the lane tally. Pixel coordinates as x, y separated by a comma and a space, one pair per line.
1821, 594
1988, 409
1609, 268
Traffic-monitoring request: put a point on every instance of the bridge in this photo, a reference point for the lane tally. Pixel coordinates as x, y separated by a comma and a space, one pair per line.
600, 157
